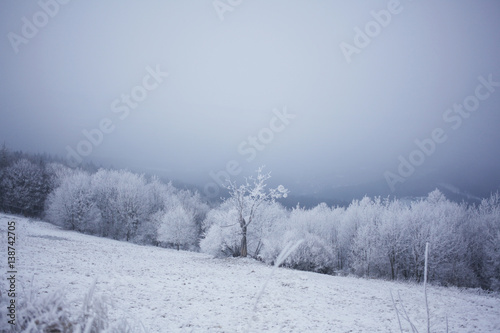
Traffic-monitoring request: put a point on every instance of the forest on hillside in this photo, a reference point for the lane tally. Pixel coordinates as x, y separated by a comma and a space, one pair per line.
372, 237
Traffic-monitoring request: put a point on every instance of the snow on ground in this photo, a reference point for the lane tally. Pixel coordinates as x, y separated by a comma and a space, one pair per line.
175, 291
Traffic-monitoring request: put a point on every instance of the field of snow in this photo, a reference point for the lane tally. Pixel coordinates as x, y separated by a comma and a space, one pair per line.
175, 291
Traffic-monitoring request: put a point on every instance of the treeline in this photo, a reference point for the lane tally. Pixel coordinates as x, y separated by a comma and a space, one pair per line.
372, 237
108, 203
27, 179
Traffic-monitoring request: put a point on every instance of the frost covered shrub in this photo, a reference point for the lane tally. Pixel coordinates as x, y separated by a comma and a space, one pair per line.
49, 313
221, 242
221, 237
312, 254
315, 253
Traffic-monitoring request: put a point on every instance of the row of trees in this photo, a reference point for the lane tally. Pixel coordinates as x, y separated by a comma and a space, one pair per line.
127, 206
24, 184
27, 179
372, 237
108, 203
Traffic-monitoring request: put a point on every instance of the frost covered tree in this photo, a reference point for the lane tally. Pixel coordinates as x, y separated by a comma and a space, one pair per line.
131, 203
178, 227
364, 250
348, 230
71, 205
122, 199
393, 236
105, 191
4, 163
448, 262
418, 229
487, 244
24, 188
248, 198
271, 215
221, 233
161, 196
195, 206
56, 173
4, 157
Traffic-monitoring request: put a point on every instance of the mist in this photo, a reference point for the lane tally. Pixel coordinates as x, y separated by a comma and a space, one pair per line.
328, 96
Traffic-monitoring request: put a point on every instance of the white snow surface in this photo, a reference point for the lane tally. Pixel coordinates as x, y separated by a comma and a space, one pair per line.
175, 291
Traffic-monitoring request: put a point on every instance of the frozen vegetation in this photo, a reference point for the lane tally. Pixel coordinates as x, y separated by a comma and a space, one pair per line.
136, 270
372, 237
164, 290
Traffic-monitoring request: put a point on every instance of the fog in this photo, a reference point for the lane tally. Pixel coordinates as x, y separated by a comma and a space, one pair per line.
326, 95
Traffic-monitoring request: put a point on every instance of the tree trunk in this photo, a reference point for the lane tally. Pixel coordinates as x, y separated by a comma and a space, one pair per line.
392, 260
392, 268
244, 241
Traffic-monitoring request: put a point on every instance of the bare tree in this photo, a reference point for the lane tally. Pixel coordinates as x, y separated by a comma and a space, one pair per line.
247, 199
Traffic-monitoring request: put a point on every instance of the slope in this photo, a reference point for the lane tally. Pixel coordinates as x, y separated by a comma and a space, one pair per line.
175, 291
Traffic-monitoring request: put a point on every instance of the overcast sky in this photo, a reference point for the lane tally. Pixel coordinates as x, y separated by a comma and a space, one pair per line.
328, 105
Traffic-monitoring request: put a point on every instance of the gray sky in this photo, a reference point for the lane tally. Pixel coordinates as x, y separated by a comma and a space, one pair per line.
353, 117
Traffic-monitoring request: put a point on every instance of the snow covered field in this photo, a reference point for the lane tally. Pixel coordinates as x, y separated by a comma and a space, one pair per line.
171, 291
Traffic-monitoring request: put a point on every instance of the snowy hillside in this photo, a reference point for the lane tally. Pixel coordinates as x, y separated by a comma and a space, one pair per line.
175, 291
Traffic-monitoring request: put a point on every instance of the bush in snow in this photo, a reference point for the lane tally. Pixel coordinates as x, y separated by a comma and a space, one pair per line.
50, 313
47, 313
178, 228
222, 236
313, 254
